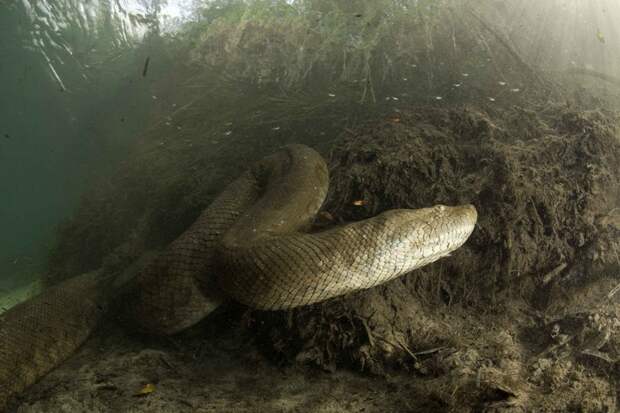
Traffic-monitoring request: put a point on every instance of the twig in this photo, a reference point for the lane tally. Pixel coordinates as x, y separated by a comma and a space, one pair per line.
554, 273
404, 347
371, 340
599, 355
613, 291
397, 344
429, 351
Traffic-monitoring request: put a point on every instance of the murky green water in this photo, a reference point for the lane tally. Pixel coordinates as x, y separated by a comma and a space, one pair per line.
73, 100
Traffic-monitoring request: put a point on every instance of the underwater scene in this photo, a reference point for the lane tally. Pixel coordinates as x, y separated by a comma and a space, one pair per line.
305, 206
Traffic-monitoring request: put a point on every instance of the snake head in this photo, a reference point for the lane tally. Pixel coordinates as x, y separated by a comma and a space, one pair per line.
427, 234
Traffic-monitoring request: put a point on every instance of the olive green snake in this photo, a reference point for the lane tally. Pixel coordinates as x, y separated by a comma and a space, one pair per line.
252, 245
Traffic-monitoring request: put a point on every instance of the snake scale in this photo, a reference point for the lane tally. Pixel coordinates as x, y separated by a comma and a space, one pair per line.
250, 244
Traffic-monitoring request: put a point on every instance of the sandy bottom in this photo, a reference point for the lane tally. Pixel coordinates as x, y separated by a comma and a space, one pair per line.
201, 374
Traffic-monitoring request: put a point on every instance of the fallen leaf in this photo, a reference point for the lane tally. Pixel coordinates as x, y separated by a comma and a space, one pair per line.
146, 390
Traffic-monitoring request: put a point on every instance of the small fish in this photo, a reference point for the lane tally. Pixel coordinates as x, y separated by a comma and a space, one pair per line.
7, 136
600, 36
359, 202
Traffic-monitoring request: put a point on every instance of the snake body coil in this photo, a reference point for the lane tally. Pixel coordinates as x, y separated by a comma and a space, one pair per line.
38, 334
249, 244
265, 263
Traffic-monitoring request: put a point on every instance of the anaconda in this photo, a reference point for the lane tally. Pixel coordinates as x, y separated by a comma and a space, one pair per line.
250, 244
